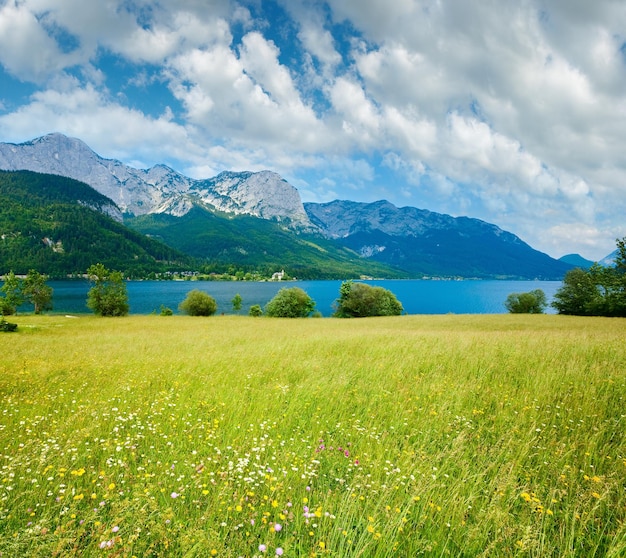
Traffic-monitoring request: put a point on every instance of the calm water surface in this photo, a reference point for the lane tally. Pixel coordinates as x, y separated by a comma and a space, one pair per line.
417, 297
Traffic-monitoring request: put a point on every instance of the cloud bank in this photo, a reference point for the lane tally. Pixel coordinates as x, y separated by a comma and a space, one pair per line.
513, 112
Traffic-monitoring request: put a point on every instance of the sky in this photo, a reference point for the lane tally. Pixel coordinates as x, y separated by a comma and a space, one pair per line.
510, 111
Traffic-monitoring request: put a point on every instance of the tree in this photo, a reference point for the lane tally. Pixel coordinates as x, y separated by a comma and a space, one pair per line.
108, 296
198, 303
165, 311
610, 286
600, 291
577, 294
620, 258
359, 300
13, 296
290, 303
37, 292
533, 302
236, 302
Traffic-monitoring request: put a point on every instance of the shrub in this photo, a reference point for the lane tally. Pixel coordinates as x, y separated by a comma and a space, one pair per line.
358, 300
533, 302
255, 311
5, 307
165, 311
198, 303
290, 303
7, 326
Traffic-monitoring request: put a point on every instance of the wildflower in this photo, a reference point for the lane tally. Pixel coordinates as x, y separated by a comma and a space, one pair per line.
279, 551
115, 529
262, 548
277, 527
174, 494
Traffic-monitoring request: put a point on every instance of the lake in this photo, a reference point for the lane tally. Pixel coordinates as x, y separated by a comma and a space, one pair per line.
417, 296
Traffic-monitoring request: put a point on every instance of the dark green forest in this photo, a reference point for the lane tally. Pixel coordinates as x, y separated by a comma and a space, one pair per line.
54, 224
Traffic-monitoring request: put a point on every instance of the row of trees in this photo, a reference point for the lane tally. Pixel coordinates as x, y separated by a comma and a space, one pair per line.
597, 291
356, 300
107, 297
32, 288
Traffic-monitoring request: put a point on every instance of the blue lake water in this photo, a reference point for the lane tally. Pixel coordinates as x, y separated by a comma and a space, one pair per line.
417, 297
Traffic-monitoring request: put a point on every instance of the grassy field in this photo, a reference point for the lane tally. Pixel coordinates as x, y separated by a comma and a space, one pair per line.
233, 436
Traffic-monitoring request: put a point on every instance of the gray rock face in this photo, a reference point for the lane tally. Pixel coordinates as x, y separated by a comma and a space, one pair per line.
263, 194
340, 219
159, 189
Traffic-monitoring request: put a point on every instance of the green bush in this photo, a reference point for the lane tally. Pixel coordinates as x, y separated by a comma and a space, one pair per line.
255, 311
198, 303
5, 307
290, 303
533, 302
165, 311
7, 326
359, 300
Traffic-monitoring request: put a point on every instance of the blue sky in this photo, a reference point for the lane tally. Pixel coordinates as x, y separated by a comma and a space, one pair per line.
512, 112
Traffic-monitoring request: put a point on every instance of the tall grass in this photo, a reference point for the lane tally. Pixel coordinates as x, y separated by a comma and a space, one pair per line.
232, 436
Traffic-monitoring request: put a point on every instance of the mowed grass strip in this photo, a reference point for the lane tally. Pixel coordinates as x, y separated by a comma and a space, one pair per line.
233, 436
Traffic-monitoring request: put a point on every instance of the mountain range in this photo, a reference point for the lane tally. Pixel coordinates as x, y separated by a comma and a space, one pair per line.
258, 218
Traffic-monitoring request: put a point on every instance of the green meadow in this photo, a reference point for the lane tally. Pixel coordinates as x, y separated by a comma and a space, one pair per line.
234, 436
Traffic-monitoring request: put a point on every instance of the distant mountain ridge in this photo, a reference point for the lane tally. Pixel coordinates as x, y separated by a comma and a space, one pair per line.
418, 240
576, 260
412, 241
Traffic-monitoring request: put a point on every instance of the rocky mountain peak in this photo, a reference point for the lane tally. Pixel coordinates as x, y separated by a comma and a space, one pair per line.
159, 189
